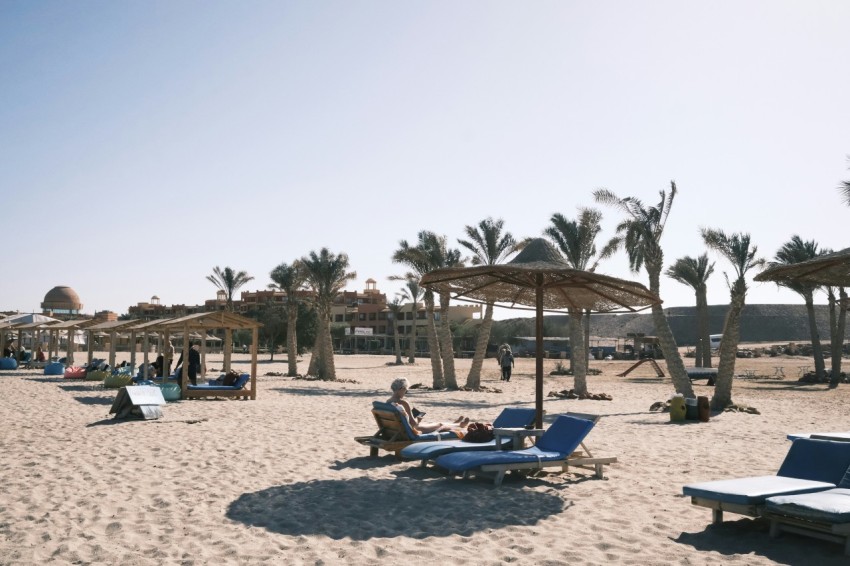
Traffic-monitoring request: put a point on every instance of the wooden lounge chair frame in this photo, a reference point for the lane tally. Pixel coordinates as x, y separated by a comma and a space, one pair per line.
832, 532
391, 436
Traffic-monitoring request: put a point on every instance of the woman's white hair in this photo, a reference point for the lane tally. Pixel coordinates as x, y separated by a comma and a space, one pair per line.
400, 383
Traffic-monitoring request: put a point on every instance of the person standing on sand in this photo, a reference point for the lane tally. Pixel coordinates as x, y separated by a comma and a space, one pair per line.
507, 363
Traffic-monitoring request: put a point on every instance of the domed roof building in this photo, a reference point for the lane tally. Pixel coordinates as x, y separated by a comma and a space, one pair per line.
61, 300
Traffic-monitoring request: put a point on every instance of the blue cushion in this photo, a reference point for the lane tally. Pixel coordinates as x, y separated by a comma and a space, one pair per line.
510, 417
54, 368
431, 450
565, 434
241, 381
809, 466
8, 363
831, 506
557, 443
469, 459
515, 417
752, 490
816, 460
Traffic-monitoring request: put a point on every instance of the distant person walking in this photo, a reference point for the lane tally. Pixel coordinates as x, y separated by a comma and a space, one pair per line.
507, 363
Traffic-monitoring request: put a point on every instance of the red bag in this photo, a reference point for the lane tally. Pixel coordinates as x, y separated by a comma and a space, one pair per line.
479, 432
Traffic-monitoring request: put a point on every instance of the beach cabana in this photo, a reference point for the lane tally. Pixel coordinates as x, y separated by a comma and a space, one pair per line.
146, 329
203, 323
71, 327
110, 328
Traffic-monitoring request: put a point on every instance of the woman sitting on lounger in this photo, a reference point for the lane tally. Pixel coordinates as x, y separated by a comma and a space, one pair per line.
399, 388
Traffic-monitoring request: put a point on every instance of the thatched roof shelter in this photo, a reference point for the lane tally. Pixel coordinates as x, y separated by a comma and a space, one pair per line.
539, 277
829, 269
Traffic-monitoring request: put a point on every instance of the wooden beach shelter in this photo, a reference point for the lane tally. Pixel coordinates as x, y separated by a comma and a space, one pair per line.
146, 329
111, 328
203, 323
19, 323
37, 329
539, 277
71, 327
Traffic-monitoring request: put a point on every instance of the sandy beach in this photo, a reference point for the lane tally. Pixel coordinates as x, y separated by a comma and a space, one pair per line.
280, 480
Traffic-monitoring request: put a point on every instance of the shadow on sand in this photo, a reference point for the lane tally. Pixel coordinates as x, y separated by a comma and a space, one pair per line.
365, 508
750, 537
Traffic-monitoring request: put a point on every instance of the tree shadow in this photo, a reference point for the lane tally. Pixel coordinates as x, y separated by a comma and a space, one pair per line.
90, 386
378, 508
307, 392
750, 536
94, 400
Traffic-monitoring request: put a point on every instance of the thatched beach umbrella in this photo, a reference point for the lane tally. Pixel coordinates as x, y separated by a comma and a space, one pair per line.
829, 269
539, 277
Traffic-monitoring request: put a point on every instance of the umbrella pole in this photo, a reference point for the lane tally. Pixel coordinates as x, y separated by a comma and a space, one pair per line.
538, 382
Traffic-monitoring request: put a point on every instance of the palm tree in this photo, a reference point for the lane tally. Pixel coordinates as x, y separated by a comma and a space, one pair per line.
289, 278
577, 241
694, 272
640, 233
742, 255
837, 320
432, 253
414, 257
411, 292
794, 251
488, 246
844, 187
327, 274
228, 281
395, 309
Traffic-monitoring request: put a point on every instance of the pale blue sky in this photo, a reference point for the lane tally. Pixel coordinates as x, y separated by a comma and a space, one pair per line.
144, 143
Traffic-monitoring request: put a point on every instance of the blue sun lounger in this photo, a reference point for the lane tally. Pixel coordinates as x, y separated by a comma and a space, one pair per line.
824, 514
809, 466
510, 417
555, 448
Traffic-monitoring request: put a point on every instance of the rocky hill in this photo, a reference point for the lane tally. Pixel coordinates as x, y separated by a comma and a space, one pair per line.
759, 323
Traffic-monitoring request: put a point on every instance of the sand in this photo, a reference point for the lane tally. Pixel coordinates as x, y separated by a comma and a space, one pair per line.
280, 480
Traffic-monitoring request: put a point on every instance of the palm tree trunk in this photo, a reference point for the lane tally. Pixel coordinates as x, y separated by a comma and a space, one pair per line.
398, 360
586, 339
328, 350
433, 344
411, 358
473, 380
728, 352
704, 332
580, 361
571, 322
446, 347
817, 351
837, 336
315, 357
292, 340
681, 381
